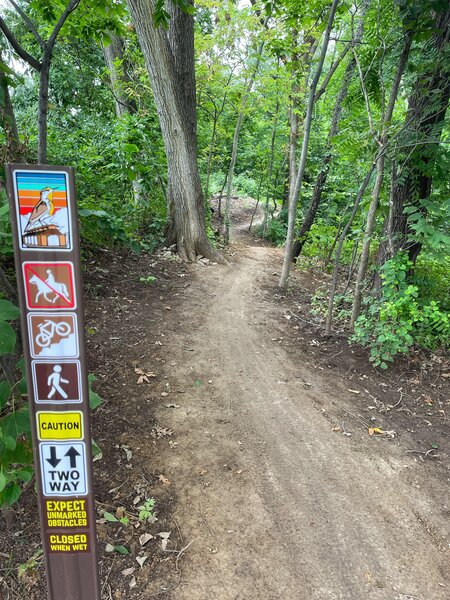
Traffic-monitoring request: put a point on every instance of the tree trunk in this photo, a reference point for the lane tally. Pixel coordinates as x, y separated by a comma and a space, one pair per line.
371, 215
169, 56
237, 133
114, 52
7, 116
424, 120
293, 200
124, 105
333, 131
270, 170
337, 260
44, 77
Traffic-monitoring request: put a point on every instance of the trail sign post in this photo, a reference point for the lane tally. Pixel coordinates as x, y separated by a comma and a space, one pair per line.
45, 233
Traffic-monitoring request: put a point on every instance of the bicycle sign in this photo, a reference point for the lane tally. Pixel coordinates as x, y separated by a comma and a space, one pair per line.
49, 285
53, 335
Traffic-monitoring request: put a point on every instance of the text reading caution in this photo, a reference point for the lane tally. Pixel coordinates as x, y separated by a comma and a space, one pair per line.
63, 468
66, 513
60, 425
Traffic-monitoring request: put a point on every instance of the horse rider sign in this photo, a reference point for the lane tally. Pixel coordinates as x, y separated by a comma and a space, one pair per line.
49, 285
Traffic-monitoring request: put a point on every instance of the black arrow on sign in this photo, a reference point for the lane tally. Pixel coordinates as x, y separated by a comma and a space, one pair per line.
53, 460
72, 453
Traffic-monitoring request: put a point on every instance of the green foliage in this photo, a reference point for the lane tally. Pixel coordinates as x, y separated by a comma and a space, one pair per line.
275, 231
6, 244
146, 511
15, 445
392, 323
94, 399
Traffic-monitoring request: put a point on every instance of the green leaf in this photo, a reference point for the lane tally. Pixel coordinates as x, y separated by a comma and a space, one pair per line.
5, 393
7, 338
8, 312
109, 517
3, 481
94, 399
10, 494
16, 423
121, 550
96, 451
26, 474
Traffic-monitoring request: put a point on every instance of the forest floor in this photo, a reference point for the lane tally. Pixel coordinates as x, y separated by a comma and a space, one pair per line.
257, 438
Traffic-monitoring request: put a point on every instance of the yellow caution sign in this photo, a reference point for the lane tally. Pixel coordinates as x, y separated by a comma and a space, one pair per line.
67, 425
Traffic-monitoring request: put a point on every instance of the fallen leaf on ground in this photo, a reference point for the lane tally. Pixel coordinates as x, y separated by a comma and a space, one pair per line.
164, 480
109, 548
164, 535
133, 582
336, 429
203, 471
143, 375
127, 451
129, 571
144, 538
141, 560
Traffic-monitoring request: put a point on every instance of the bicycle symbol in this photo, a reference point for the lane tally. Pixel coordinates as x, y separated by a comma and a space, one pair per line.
48, 329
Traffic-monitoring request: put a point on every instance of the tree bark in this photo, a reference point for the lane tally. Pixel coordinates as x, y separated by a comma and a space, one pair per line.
237, 132
371, 215
427, 108
7, 116
337, 260
169, 57
333, 131
114, 52
293, 200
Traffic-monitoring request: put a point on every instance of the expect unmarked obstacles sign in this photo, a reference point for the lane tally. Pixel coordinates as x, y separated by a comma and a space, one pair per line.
45, 232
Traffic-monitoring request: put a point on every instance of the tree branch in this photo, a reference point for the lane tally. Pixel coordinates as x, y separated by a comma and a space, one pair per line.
33, 62
29, 23
331, 72
73, 4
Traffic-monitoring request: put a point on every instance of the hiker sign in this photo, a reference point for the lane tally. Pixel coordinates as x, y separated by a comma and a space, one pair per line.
56, 382
45, 234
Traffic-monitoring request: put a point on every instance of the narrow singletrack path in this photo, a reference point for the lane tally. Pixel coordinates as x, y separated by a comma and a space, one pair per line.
274, 505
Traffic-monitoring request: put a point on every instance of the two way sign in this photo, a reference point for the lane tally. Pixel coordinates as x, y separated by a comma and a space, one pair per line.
63, 469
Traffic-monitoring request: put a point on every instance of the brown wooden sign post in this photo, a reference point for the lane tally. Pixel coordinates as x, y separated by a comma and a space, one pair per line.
45, 232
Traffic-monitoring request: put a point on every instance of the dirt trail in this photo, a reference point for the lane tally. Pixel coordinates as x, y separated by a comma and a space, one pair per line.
274, 504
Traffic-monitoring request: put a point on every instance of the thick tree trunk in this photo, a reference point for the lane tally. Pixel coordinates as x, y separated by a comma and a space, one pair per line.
424, 121
333, 131
169, 56
293, 200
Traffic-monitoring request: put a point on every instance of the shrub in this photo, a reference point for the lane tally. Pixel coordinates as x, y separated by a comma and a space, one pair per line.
396, 320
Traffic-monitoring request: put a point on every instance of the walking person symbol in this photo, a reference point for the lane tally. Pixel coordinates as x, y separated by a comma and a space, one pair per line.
55, 380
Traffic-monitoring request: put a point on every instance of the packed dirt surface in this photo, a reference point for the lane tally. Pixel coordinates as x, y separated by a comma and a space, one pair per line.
282, 465
275, 503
